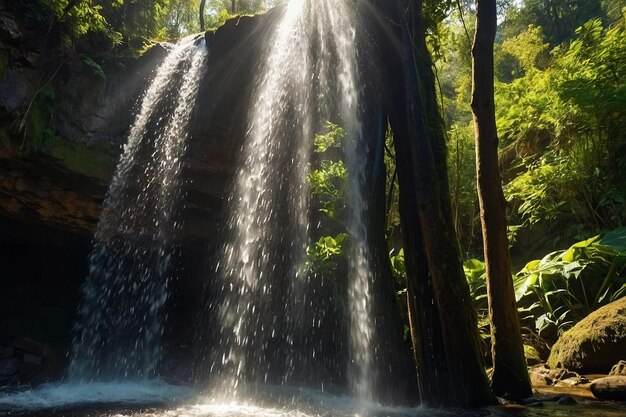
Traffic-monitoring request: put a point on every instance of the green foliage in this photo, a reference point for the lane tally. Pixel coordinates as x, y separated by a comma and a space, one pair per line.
398, 269
565, 124
557, 291
331, 139
327, 181
615, 10
476, 275
462, 177
323, 257
558, 18
180, 18
40, 114
546, 191
392, 194
565, 286
80, 21
521, 54
95, 67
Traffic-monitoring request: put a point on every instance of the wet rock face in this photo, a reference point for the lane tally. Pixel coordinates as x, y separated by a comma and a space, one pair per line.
54, 178
78, 124
28, 361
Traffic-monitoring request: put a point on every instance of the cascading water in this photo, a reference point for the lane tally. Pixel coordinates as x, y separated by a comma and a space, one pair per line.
121, 318
267, 314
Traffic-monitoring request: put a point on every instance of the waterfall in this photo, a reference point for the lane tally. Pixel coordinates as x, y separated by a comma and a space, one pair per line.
121, 319
268, 317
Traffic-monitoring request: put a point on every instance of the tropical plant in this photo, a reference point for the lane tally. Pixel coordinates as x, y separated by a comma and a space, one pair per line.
323, 256
564, 128
565, 286
327, 180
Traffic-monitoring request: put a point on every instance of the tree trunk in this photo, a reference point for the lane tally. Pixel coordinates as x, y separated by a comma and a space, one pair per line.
424, 325
430, 365
395, 369
394, 378
202, 5
510, 375
233, 7
468, 384
443, 320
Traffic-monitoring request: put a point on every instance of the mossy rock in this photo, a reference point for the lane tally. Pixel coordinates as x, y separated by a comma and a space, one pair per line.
595, 344
92, 161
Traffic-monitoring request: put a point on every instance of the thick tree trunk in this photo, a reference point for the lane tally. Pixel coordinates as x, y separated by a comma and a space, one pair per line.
443, 321
430, 366
201, 15
468, 385
510, 375
428, 347
395, 370
395, 375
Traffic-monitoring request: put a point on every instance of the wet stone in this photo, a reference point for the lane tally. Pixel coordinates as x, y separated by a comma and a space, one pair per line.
566, 400
9, 367
34, 359
610, 388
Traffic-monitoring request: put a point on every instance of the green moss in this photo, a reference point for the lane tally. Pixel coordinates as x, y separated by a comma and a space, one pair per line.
532, 355
93, 161
38, 124
40, 113
595, 344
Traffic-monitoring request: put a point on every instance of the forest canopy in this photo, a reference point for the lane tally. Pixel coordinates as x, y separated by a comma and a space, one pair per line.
123, 26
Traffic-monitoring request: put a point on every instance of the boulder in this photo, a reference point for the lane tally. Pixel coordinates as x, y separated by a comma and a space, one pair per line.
595, 344
566, 400
610, 388
9, 367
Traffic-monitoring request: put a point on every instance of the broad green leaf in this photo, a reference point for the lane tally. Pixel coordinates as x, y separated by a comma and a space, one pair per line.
573, 253
615, 239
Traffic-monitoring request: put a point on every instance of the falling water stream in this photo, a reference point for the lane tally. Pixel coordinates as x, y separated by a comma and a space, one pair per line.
308, 76
266, 355
121, 319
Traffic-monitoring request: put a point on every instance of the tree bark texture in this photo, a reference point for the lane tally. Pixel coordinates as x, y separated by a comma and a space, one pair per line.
201, 15
430, 367
422, 172
395, 371
510, 374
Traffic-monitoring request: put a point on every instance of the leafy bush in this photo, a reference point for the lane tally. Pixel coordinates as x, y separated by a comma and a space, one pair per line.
557, 291
323, 256
565, 286
565, 123
326, 180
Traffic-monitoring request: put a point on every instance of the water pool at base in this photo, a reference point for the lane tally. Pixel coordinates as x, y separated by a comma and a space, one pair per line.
159, 399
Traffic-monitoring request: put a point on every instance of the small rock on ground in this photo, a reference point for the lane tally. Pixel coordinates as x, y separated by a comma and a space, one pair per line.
566, 400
